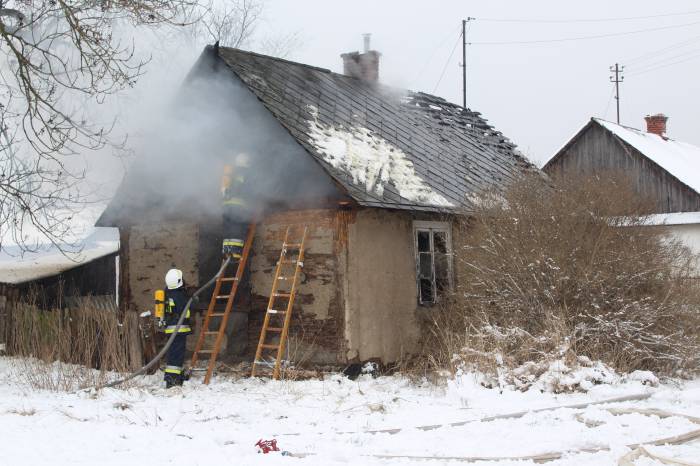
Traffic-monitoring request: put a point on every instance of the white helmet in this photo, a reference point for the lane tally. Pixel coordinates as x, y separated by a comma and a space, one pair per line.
173, 279
242, 160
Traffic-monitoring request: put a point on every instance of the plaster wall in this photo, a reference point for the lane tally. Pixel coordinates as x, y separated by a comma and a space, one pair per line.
155, 248
381, 312
690, 236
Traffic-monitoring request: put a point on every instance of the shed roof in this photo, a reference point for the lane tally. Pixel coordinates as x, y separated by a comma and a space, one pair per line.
19, 266
680, 159
386, 147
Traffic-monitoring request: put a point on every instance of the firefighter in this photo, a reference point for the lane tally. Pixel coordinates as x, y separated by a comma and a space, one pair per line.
237, 213
237, 217
175, 301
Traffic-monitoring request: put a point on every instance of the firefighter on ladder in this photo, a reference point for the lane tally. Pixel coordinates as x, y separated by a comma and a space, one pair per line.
237, 214
175, 301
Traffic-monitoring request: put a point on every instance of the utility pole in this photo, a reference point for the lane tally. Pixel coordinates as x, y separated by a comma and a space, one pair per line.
617, 79
464, 60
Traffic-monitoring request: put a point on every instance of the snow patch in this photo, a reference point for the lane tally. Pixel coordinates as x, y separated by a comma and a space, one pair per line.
675, 218
370, 161
17, 266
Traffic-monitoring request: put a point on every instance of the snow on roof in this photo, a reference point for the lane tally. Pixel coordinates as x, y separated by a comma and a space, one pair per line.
371, 161
17, 267
680, 159
675, 218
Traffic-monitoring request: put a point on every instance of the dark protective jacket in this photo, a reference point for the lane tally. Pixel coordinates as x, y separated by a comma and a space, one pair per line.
175, 301
234, 195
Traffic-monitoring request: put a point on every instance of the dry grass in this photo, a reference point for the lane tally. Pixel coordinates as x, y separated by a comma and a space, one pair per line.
66, 349
560, 271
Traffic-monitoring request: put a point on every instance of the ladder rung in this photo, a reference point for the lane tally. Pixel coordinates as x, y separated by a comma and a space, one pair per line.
283, 295
274, 329
228, 279
211, 332
270, 346
206, 351
291, 245
217, 314
287, 261
224, 296
275, 311
283, 278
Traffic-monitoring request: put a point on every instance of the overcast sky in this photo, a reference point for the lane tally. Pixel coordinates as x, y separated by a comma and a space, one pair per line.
538, 95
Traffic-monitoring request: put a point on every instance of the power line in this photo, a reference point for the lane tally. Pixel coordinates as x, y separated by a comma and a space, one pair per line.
607, 106
637, 73
654, 53
448, 62
432, 54
599, 36
664, 60
588, 20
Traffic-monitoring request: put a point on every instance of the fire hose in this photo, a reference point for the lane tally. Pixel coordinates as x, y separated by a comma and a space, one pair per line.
165, 348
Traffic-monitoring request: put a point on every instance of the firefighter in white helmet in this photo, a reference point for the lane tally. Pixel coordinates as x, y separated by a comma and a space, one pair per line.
237, 212
175, 301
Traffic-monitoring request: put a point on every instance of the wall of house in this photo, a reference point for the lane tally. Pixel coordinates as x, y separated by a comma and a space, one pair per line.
382, 315
154, 248
598, 151
316, 332
688, 234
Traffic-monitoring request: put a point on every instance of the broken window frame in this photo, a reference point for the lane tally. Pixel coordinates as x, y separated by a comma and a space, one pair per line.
432, 228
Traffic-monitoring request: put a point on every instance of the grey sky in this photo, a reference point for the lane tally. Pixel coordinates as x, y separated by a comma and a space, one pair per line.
538, 95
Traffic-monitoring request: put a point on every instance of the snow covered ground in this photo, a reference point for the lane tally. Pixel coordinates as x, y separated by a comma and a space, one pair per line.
220, 423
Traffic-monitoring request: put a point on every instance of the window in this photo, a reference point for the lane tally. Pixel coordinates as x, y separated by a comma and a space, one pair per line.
433, 260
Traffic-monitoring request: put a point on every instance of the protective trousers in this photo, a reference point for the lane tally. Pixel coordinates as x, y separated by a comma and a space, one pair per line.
175, 361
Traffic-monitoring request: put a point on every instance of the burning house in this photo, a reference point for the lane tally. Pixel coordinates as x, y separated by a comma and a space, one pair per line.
377, 174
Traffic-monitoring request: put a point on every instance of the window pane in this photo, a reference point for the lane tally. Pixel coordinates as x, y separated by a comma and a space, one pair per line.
426, 290
425, 266
423, 241
442, 272
440, 239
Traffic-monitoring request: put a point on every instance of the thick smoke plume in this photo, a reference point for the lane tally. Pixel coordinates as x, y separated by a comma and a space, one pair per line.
212, 119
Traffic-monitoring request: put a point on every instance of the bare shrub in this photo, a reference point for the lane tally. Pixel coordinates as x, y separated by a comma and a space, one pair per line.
66, 349
558, 271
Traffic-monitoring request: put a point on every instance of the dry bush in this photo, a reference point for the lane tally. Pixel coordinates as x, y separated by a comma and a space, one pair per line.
66, 349
568, 269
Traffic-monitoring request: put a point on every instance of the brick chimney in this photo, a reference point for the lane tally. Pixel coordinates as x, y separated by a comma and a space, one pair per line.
656, 124
363, 65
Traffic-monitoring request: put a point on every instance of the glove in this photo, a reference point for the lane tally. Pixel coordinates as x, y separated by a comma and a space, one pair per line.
161, 324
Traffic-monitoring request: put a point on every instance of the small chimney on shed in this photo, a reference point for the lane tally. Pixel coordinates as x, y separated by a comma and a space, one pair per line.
363, 65
656, 124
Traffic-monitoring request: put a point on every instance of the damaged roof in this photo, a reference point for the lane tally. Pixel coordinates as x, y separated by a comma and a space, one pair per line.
386, 147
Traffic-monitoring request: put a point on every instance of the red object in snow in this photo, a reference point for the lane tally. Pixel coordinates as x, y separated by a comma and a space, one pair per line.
266, 446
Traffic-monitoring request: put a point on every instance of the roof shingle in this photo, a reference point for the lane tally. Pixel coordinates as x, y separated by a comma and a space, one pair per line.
426, 142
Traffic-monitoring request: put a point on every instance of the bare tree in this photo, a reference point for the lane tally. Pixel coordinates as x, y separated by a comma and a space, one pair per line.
235, 23
60, 57
57, 56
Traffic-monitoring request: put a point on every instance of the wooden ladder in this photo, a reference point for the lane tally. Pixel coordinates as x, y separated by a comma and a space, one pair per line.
273, 312
218, 295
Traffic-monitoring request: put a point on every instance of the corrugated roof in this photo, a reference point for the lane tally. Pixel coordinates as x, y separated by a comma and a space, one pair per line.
387, 147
